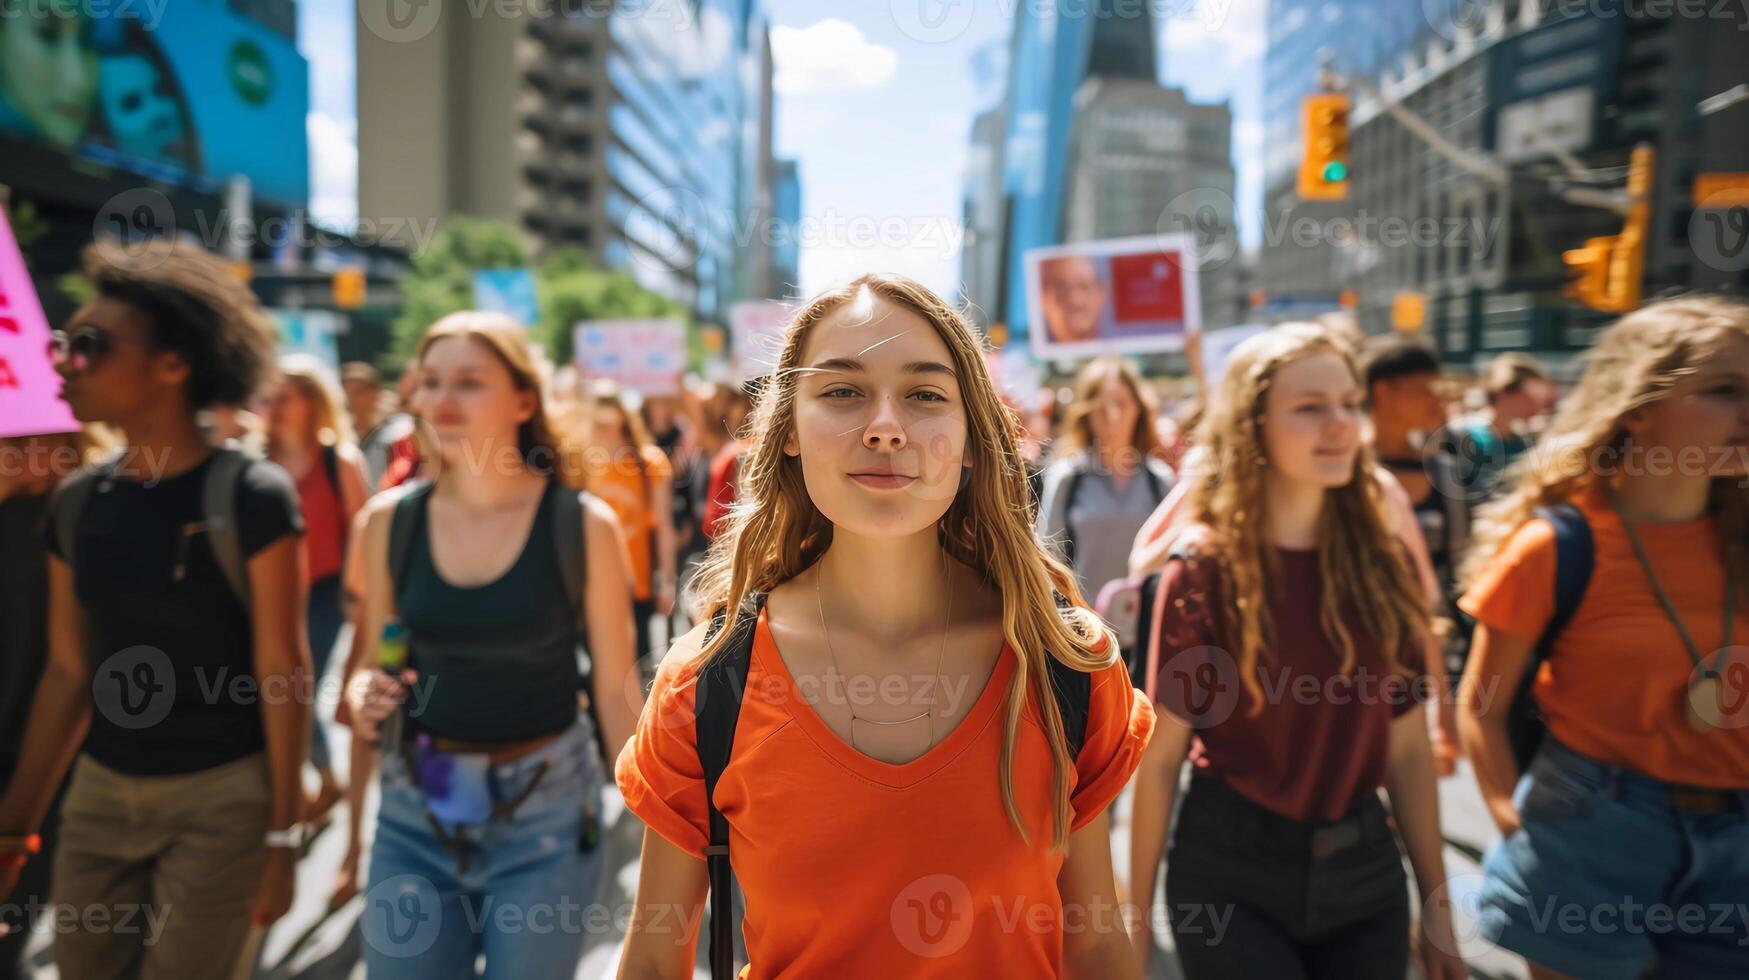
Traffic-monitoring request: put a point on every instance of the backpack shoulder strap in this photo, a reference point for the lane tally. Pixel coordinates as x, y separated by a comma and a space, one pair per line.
1071, 487
721, 685
219, 502
331, 467
70, 498
568, 524
404, 525
1575, 554
1457, 507
1074, 691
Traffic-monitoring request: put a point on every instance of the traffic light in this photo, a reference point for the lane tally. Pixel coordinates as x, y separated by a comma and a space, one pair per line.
1609, 269
349, 288
1324, 166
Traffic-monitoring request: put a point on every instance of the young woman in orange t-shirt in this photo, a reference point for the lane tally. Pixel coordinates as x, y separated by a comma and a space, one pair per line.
1637, 797
901, 793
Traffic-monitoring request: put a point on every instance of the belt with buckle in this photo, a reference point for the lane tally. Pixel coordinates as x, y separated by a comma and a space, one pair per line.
1703, 800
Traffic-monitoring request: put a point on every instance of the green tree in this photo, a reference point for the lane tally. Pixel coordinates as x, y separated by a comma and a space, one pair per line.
568, 285
443, 275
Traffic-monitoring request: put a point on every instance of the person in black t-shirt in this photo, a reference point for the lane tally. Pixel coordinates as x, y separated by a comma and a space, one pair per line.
189, 695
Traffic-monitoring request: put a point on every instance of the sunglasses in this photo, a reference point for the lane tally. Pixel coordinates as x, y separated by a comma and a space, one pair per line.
82, 348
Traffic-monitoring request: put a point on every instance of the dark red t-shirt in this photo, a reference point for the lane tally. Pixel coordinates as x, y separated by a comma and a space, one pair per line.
1322, 738
721, 493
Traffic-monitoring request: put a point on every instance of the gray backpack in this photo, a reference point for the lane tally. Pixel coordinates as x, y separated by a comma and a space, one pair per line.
218, 505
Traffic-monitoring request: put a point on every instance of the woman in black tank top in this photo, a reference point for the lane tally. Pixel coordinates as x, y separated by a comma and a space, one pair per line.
492, 771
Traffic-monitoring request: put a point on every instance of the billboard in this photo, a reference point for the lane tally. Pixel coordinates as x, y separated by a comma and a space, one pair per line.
511, 292
1120, 296
186, 93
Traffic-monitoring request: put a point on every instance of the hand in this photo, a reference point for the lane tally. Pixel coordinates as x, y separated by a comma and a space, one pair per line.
1436, 948
1445, 753
1505, 817
346, 878
273, 895
373, 696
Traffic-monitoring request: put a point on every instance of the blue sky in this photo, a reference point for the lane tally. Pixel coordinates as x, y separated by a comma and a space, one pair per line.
875, 99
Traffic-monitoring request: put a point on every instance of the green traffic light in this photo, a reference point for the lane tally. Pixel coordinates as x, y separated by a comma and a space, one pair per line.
1335, 172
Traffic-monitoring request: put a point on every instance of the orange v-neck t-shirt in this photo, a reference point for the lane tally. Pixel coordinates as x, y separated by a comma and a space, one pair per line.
853, 867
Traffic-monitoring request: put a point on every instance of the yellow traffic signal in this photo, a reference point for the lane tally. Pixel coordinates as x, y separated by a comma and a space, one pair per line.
349, 288
1324, 165
1409, 311
1609, 269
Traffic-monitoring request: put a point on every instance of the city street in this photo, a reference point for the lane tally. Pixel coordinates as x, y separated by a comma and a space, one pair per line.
311, 945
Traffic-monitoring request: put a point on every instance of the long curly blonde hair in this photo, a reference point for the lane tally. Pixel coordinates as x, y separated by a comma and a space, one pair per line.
1633, 364
774, 532
1359, 558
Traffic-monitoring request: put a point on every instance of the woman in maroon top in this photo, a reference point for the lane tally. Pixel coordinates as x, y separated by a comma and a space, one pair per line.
310, 436
1290, 628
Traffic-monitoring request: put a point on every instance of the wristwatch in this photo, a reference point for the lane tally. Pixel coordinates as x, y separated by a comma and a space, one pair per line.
292, 837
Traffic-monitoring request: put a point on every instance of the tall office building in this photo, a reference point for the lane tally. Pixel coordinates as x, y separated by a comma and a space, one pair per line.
620, 129
1538, 89
1145, 160
785, 280
1056, 47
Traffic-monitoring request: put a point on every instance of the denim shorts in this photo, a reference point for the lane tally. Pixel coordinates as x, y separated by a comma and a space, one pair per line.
1607, 878
526, 897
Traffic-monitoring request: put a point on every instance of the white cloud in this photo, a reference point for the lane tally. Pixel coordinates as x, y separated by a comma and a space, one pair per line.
828, 56
1240, 29
333, 169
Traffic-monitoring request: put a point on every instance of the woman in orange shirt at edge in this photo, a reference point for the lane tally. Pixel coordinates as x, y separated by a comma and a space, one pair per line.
901, 799
1626, 839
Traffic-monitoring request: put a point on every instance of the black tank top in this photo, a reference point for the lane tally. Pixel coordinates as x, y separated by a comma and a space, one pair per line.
496, 662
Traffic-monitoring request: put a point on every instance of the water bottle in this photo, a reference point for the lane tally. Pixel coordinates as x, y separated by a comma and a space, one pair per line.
392, 659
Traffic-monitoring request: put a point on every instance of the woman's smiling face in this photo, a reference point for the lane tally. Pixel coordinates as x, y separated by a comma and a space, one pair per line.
879, 423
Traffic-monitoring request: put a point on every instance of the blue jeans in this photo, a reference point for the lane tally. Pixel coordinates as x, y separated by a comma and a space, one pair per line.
323, 619
529, 889
1607, 878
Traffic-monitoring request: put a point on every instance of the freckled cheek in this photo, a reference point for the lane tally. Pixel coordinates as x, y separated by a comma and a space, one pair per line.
940, 446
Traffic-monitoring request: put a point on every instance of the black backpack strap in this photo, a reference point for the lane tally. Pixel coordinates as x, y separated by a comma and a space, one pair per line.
1074, 691
405, 525
1575, 554
721, 685
219, 502
1138, 660
331, 466
1071, 487
566, 507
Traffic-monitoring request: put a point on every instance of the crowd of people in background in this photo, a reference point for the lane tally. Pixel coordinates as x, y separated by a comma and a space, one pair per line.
543, 572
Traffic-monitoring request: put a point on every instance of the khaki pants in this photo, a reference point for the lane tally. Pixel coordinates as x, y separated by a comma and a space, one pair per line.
155, 876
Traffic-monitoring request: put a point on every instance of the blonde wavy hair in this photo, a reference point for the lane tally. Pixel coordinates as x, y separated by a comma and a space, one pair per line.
1633, 364
774, 532
330, 424
1078, 424
1359, 559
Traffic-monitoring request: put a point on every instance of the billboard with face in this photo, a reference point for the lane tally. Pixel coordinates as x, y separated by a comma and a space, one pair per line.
185, 93
1124, 295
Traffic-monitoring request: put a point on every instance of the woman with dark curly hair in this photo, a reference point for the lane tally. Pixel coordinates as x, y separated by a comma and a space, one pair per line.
178, 671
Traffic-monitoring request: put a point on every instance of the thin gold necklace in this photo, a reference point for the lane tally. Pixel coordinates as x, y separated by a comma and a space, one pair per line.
940, 658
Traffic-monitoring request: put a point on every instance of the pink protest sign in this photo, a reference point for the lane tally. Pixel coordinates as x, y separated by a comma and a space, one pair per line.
30, 390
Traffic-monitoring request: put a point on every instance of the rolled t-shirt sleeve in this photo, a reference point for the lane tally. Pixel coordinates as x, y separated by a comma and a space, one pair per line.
1119, 723
658, 771
1516, 593
267, 506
